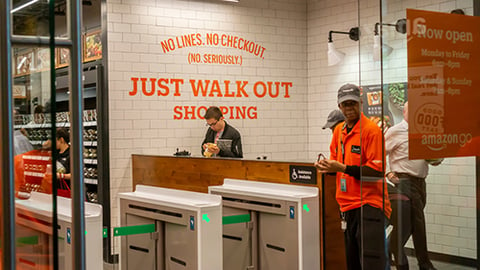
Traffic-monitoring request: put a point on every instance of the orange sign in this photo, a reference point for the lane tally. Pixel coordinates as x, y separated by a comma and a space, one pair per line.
443, 84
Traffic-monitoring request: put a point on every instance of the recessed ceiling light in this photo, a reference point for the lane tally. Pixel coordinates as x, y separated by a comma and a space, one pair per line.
23, 6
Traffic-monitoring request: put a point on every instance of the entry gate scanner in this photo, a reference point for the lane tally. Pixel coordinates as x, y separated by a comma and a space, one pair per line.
283, 229
34, 223
188, 229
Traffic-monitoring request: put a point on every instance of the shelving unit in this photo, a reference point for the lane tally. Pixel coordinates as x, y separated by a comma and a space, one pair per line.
39, 133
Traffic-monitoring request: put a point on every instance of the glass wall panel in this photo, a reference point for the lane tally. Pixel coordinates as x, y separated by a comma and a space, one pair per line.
33, 163
41, 79
34, 166
417, 73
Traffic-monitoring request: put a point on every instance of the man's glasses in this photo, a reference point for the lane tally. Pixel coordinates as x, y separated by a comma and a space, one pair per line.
321, 157
211, 125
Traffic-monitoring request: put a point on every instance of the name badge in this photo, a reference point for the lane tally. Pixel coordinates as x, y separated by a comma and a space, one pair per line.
343, 185
356, 149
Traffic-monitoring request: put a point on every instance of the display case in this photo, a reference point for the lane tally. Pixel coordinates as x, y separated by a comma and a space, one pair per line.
37, 125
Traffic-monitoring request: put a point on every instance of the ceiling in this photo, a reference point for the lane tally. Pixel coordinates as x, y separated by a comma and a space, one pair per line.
33, 19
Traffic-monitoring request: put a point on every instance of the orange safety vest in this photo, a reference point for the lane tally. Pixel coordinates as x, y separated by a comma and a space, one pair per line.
362, 146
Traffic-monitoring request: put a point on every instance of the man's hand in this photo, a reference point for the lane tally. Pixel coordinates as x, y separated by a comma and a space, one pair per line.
435, 161
392, 177
214, 149
327, 165
47, 145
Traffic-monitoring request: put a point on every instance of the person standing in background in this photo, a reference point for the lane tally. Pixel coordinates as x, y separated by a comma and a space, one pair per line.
22, 144
458, 11
408, 176
63, 147
38, 115
20, 141
334, 118
219, 129
356, 157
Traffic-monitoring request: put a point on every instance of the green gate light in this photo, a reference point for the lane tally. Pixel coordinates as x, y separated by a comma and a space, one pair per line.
226, 220
305, 207
205, 217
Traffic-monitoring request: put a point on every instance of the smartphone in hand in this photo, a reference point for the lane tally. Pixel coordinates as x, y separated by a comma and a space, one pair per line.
321, 157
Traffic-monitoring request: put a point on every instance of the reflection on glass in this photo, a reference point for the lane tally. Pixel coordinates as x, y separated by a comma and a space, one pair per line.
32, 162
30, 17
431, 196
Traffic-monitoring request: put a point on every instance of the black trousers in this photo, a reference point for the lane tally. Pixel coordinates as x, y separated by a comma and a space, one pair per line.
365, 239
410, 220
402, 229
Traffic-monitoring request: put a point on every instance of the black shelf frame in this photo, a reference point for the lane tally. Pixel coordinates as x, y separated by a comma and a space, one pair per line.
94, 75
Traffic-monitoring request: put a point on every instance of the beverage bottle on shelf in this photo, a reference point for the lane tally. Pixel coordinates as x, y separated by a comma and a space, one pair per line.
46, 186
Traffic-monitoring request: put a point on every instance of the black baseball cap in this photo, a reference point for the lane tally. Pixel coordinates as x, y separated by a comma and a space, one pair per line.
348, 92
334, 117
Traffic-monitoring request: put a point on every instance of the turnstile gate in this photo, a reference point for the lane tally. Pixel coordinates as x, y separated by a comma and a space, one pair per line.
282, 232
34, 223
187, 230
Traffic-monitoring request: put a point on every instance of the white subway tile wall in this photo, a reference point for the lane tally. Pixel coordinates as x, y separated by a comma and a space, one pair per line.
143, 124
294, 35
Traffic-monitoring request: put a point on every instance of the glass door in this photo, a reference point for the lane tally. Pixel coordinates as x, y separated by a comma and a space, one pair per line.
42, 169
418, 72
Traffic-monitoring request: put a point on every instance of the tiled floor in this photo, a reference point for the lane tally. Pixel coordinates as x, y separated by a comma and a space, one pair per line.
107, 266
412, 263
446, 266
439, 265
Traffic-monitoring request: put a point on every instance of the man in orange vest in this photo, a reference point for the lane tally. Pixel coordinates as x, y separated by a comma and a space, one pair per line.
356, 156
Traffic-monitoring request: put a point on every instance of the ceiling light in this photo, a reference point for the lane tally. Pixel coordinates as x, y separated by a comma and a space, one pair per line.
333, 55
386, 49
24, 6
400, 26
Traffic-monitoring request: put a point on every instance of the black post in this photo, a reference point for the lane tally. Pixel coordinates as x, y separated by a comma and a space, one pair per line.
7, 225
476, 12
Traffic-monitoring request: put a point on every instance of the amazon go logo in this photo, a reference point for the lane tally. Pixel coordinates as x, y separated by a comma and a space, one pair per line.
437, 142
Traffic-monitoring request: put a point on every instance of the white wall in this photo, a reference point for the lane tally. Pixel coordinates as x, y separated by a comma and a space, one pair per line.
143, 124
294, 34
324, 81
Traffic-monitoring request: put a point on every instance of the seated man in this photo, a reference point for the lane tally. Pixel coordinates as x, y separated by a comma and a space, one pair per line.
221, 131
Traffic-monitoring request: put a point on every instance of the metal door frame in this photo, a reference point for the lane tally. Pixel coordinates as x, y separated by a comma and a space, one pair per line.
6, 128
